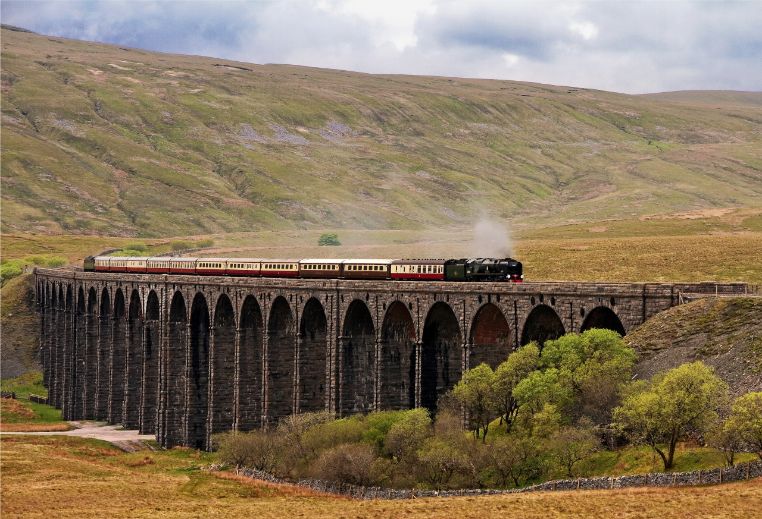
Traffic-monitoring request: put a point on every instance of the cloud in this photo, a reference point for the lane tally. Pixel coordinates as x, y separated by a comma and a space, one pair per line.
615, 45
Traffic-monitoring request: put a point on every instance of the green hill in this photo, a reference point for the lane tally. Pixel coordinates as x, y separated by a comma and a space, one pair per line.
99, 139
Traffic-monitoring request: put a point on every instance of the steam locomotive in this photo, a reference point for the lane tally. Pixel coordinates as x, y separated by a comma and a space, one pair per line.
475, 269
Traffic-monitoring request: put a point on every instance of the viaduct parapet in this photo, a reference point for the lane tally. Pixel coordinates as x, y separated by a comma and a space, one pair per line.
184, 357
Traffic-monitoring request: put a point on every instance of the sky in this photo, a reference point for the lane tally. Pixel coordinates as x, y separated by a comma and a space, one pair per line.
623, 46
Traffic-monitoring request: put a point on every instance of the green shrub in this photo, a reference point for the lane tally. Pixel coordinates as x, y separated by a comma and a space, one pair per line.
355, 464
181, 245
329, 238
205, 243
136, 246
9, 269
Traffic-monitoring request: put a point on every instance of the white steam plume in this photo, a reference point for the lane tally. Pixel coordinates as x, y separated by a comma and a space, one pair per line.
491, 239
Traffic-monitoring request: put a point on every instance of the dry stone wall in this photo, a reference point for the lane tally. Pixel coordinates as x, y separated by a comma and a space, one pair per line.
740, 472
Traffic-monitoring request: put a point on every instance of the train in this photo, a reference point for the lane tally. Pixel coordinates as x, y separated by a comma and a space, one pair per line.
473, 269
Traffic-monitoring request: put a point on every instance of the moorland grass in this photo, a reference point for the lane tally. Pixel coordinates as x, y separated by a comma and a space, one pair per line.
72, 477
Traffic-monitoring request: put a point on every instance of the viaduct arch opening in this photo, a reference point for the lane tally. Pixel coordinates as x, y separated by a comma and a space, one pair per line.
78, 371
542, 324
397, 389
223, 367
198, 382
118, 360
441, 354
603, 317
91, 355
134, 371
358, 360
151, 344
491, 338
281, 352
173, 368
312, 357
250, 365
104, 356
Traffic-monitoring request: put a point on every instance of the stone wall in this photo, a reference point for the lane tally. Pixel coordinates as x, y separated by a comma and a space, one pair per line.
740, 472
184, 357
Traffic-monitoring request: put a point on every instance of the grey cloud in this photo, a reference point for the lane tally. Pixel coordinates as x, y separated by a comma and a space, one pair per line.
625, 46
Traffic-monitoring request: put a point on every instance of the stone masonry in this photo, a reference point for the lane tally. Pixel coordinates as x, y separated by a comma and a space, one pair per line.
185, 357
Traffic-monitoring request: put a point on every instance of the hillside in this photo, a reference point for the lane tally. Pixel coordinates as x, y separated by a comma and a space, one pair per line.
99, 139
724, 333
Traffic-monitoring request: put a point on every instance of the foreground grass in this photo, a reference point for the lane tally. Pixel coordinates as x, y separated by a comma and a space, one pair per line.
70, 477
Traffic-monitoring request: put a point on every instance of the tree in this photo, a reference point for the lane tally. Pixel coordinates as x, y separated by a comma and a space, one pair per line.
745, 421
408, 434
475, 393
515, 458
508, 374
570, 445
329, 238
597, 362
685, 399
439, 460
539, 388
727, 438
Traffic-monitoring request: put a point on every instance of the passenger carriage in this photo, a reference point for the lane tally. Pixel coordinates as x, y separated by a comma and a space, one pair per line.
418, 269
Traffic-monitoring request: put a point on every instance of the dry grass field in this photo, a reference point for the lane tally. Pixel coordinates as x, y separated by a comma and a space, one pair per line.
69, 477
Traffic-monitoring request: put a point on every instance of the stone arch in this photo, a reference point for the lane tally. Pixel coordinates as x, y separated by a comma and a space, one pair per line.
134, 368
198, 370
79, 373
250, 365
173, 369
441, 354
150, 385
313, 346
59, 355
358, 360
104, 356
542, 324
281, 353
118, 359
603, 317
222, 394
46, 357
397, 383
91, 355
491, 339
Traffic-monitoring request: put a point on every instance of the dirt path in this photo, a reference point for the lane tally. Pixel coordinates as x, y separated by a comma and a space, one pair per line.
128, 440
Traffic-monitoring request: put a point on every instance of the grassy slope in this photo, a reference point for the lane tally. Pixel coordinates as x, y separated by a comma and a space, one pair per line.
110, 141
71, 477
19, 333
724, 333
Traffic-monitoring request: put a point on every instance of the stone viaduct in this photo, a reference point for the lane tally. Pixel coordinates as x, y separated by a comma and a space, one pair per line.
184, 357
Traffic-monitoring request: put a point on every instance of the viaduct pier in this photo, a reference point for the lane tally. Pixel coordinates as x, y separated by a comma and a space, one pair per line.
184, 357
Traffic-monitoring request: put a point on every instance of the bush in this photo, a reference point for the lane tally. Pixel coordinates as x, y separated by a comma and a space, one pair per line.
205, 243
137, 246
329, 238
10, 269
439, 460
407, 435
180, 245
256, 449
350, 463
